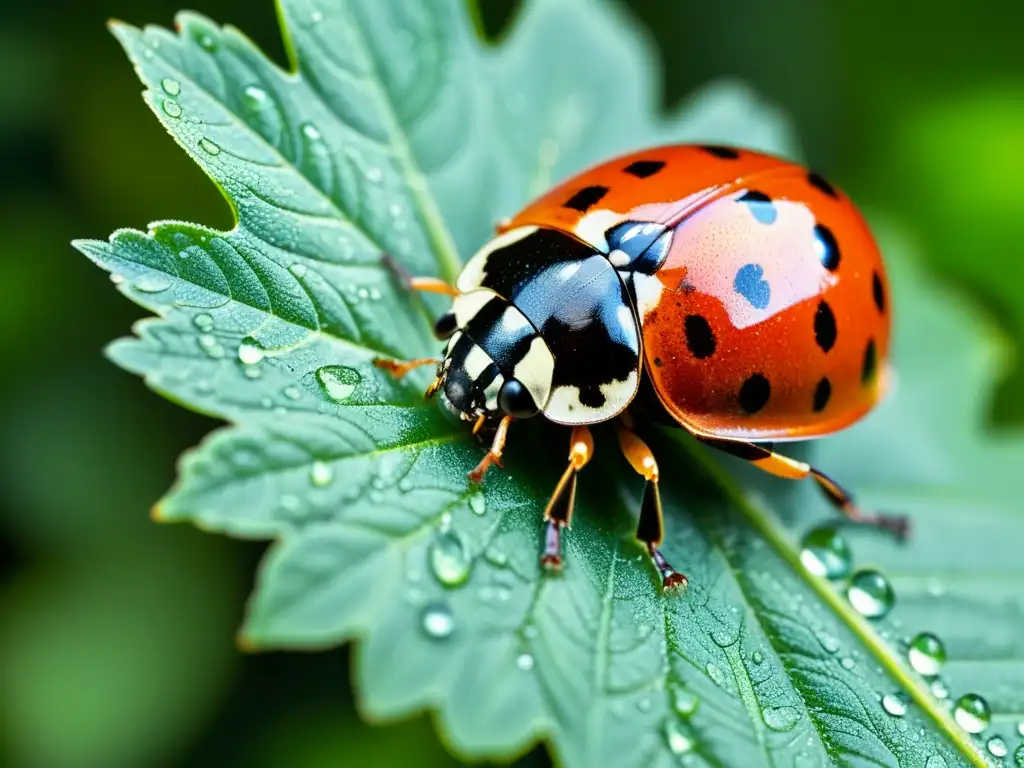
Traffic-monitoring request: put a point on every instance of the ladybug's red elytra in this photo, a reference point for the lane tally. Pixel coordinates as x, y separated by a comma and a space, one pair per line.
732, 293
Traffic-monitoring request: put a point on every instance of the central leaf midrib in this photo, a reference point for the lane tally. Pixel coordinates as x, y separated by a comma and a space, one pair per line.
856, 624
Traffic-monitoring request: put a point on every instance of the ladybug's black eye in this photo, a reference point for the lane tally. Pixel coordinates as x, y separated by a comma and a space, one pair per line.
515, 400
445, 325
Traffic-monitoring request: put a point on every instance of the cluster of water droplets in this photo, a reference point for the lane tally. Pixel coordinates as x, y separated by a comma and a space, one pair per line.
825, 552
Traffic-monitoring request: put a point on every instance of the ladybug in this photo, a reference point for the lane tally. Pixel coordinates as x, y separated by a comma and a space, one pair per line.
731, 293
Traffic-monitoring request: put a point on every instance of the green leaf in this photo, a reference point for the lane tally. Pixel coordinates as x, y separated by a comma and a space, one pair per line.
398, 131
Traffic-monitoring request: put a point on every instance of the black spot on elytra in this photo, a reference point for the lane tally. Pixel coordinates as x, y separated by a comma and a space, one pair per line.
760, 206
644, 168
751, 285
879, 292
869, 368
585, 198
822, 394
592, 396
657, 362
699, 337
754, 393
818, 182
825, 327
828, 248
725, 153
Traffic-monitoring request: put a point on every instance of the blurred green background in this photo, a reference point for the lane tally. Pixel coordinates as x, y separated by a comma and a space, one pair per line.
116, 635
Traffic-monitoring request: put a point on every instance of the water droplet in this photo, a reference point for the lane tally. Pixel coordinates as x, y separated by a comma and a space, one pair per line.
824, 552
524, 661
154, 283
316, 17
116, 279
374, 174
972, 713
171, 108
678, 737
644, 704
939, 689
781, 718
828, 641
321, 473
758, 657
870, 594
895, 704
208, 44
936, 761
292, 393
209, 147
211, 346
449, 559
477, 503
254, 96
203, 321
249, 352
338, 381
684, 701
437, 620
716, 674
926, 654
847, 662
1020, 728
171, 87
496, 557
530, 632
297, 269
997, 747
1018, 756
312, 132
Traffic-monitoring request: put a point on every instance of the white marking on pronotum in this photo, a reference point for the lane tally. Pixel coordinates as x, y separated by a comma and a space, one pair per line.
472, 275
467, 305
564, 406
476, 362
619, 258
536, 370
648, 293
513, 321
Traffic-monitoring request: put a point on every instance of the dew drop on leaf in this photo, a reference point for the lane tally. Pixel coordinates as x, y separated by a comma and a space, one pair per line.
1018, 756
477, 503
437, 621
292, 393
116, 279
1020, 728
338, 381
684, 701
824, 552
249, 352
208, 44
895, 704
781, 718
926, 654
171, 87
972, 714
209, 147
939, 689
203, 321
997, 747
254, 96
152, 283
678, 737
716, 674
298, 269
321, 474
524, 661
496, 557
936, 761
870, 594
211, 346
449, 560
828, 641
171, 108
758, 657
847, 662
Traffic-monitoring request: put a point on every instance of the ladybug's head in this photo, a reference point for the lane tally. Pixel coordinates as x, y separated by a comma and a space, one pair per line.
495, 363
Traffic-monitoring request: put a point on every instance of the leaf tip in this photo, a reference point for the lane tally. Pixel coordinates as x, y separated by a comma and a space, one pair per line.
246, 644
157, 513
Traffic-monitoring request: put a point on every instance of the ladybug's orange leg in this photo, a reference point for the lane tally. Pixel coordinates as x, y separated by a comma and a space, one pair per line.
650, 529
493, 456
558, 513
424, 284
763, 457
398, 368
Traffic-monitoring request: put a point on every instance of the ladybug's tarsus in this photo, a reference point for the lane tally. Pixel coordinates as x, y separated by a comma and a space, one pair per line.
763, 457
493, 456
398, 368
558, 513
412, 283
651, 527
